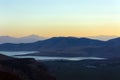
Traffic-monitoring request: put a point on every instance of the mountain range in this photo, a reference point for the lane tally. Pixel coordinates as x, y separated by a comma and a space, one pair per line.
25, 39
69, 46
34, 38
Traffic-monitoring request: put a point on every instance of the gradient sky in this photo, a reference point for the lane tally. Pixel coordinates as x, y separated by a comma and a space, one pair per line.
60, 17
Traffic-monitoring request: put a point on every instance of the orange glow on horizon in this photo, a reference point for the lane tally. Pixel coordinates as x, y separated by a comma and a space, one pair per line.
60, 30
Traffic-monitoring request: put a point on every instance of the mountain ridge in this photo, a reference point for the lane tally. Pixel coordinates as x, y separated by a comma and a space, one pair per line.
69, 46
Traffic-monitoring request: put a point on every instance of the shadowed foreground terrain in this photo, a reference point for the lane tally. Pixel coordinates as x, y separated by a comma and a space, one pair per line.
86, 69
22, 69
30, 69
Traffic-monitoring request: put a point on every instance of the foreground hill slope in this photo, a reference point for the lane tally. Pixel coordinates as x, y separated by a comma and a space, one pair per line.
22, 69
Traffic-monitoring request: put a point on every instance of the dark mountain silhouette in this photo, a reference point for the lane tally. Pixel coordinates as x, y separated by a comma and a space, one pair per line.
22, 69
52, 43
69, 46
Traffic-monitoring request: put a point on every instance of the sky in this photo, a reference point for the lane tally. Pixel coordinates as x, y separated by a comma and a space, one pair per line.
59, 17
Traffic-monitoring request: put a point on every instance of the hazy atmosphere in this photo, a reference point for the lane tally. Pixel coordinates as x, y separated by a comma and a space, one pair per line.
50, 18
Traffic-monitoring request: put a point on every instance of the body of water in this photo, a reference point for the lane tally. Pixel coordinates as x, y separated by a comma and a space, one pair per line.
45, 57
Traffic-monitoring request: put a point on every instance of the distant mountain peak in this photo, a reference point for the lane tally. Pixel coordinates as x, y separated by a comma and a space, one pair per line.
25, 39
103, 37
33, 35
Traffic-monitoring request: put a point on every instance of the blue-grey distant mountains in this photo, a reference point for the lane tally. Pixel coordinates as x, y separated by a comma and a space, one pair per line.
68, 46
34, 38
55, 43
102, 37
26, 39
